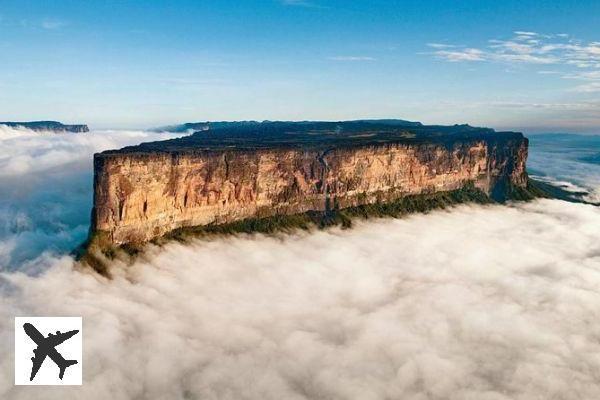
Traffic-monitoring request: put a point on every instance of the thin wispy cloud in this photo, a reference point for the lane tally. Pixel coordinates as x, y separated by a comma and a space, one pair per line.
525, 33
461, 55
579, 113
548, 72
591, 107
441, 45
531, 48
558, 115
592, 87
52, 24
528, 47
299, 3
587, 75
186, 82
351, 58
46, 24
576, 106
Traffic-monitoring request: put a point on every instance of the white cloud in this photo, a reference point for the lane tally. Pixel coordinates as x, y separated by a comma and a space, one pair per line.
412, 308
45, 188
440, 45
515, 47
351, 58
533, 48
589, 75
25, 151
525, 33
461, 55
525, 58
592, 87
478, 302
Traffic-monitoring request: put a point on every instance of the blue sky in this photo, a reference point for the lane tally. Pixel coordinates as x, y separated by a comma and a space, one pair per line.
527, 65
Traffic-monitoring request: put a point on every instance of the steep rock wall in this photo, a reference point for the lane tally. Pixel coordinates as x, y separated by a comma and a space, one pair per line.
142, 195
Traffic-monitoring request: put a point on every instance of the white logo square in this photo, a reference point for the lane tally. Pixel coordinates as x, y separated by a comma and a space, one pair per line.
48, 350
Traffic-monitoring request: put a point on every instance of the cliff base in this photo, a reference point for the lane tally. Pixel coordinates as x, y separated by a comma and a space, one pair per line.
98, 251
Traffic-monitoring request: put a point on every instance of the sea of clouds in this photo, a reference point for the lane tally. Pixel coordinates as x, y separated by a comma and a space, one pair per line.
46, 188
480, 302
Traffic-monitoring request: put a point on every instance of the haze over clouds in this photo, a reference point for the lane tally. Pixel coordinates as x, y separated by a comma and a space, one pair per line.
570, 161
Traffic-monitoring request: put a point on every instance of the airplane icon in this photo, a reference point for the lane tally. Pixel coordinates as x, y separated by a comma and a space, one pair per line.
46, 347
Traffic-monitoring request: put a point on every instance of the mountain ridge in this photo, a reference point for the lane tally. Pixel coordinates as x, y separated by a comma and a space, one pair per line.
52, 126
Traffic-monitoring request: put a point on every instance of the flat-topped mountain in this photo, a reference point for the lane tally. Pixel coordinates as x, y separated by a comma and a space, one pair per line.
273, 169
204, 126
52, 126
214, 125
317, 134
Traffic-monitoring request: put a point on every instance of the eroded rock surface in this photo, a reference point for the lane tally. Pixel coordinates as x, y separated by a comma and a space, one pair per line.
145, 191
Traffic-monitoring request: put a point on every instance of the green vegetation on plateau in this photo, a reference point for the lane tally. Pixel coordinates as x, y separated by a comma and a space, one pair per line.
318, 134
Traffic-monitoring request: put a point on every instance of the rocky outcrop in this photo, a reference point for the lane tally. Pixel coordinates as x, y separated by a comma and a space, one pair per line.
143, 192
51, 126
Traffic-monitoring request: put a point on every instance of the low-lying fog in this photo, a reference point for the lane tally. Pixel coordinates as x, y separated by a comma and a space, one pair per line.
46, 188
478, 303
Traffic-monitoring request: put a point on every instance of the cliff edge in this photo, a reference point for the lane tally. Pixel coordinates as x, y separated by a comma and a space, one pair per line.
222, 176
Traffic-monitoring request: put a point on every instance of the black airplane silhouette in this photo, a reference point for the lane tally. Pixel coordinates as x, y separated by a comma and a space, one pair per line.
46, 347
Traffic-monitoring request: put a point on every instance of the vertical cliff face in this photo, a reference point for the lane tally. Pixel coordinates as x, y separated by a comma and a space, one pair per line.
142, 193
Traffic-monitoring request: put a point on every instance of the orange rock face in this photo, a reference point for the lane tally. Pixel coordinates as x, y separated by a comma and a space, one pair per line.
142, 195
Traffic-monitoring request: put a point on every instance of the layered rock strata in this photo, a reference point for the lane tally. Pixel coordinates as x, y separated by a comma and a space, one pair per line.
146, 191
